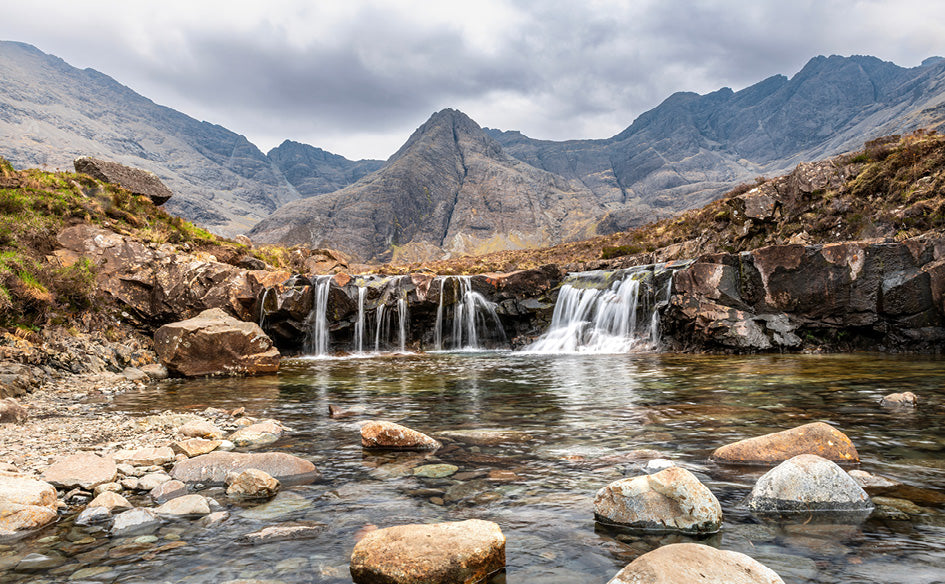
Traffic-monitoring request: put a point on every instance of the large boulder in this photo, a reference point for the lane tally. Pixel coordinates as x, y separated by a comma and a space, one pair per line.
215, 343
679, 563
84, 470
21, 489
391, 436
16, 518
816, 438
213, 468
807, 483
139, 182
672, 500
441, 553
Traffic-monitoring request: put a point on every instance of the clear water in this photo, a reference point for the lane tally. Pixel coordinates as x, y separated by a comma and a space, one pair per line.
585, 414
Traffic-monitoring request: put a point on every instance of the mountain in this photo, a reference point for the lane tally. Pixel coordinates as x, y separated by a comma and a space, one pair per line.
692, 148
313, 171
449, 189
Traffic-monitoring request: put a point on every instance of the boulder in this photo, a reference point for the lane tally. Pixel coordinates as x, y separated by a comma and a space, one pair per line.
391, 436
201, 429
139, 182
252, 483
145, 456
93, 516
873, 484
154, 371
816, 438
16, 379
440, 553
807, 483
137, 521
16, 517
185, 506
111, 501
213, 468
671, 500
905, 400
258, 434
12, 412
214, 343
679, 563
195, 446
167, 491
152, 480
26, 491
84, 470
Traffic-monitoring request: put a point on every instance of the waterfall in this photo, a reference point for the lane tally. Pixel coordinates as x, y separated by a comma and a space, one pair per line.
262, 306
402, 316
379, 325
474, 317
359, 324
316, 338
607, 312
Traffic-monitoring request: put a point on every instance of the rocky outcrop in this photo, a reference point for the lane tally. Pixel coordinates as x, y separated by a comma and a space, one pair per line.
461, 552
807, 483
139, 182
390, 436
692, 562
671, 500
816, 438
215, 343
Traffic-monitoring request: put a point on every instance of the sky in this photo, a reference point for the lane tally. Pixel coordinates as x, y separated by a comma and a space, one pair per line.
356, 77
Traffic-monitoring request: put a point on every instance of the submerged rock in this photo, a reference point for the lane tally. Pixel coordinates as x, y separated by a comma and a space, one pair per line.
670, 500
693, 563
251, 484
212, 469
135, 522
487, 437
807, 483
440, 553
185, 506
905, 400
391, 436
84, 470
284, 532
258, 434
93, 515
816, 438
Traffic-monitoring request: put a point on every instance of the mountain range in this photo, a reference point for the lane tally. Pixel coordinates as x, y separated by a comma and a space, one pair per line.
455, 187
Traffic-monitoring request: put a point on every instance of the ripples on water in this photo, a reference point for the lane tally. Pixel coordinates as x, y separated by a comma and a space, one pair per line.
585, 413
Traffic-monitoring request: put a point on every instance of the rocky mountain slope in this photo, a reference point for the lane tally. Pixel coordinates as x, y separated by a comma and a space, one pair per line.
312, 171
449, 189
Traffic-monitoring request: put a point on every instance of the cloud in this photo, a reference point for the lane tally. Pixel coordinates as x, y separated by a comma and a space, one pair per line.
357, 77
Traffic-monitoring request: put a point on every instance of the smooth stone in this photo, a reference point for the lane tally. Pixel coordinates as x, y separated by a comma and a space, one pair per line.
168, 490
871, 483
390, 436
26, 491
147, 539
155, 371
685, 563
33, 562
905, 400
817, 438
84, 470
152, 480
212, 469
252, 483
89, 573
145, 456
111, 487
285, 503
201, 429
226, 446
137, 521
903, 505
93, 516
185, 506
195, 446
807, 483
656, 465
440, 553
672, 500
214, 519
284, 532
258, 434
435, 471
111, 501
15, 517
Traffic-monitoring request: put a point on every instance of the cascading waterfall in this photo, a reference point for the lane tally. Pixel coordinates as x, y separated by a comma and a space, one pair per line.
474, 317
379, 326
359, 324
316, 338
262, 307
606, 312
402, 317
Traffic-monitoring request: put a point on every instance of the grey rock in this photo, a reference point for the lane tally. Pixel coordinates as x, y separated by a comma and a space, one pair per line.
138, 181
212, 469
691, 562
34, 562
215, 518
807, 483
185, 506
905, 400
93, 516
12, 412
135, 522
168, 490
284, 532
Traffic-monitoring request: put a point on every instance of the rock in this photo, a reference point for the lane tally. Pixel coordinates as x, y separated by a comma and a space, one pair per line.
139, 182
214, 343
251, 484
155, 371
258, 434
152, 480
84, 470
135, 522
656, 465
435, 471
35, 562
15, 517
145, 456
871, 483
201, 429
807, 483
111, 487
670, 500
679, 563
93, 515
212, 469
26, 491
440, 553
195, 446
391, 436
214, 519
899, 400
12, 412
185, 506
16, 379
816, 438
243, 240
111, 501
284, 532
168, 490
135, 374
337, 412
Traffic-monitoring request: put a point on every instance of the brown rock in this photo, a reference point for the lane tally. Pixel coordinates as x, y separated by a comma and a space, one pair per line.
213, 468
145, 456
258, 434
195, 446
111, 501
15, 488
816, 438
185, 506
251, 484
11, 412
899, 400
201, 429
15, 517
391, 436
214, 343
680, 563
84, 470
168, 490
139, 182
439, 553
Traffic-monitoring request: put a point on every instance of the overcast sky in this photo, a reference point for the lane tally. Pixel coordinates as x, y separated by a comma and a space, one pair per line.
356, 77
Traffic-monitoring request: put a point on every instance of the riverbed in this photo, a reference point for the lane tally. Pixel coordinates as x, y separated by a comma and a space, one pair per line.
570, 424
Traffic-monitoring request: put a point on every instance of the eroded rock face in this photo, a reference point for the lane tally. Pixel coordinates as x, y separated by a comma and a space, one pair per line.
139, 182
391, 436
212, 469
816, 438
439, 553
807, 483
691, 562
214, 343
670, 500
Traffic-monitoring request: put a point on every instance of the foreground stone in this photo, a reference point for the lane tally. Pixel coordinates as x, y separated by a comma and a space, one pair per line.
212, 469
195, 446
440, 553
251, 484
135, 522
201, 429
680, 563
111, 501
185, 506
214, 343
168, 490
672, 500
26, 491
84, 470
16, 518
145, 456
258, 434
816, 438
12, 412
139, 182
807, 483
905, 400
284, 532
391, 436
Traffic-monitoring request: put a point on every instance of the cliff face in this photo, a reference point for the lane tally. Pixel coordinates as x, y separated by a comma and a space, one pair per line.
450, 188
312, 171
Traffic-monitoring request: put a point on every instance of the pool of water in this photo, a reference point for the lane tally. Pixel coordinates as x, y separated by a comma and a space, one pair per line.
584, 415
